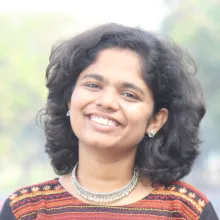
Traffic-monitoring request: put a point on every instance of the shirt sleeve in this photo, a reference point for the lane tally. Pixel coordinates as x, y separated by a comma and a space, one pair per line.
209, 213
6, 212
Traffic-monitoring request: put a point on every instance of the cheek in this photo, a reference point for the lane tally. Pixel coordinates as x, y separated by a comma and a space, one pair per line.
138, 119
78, 99
136, 128
139, 114
139, 122
76, 105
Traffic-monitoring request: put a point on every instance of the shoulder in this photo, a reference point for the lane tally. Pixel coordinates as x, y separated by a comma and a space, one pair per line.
188, 198
44, 188
188, 191
32, 196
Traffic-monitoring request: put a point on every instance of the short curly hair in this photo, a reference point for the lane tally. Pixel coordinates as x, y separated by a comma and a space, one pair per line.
168, 71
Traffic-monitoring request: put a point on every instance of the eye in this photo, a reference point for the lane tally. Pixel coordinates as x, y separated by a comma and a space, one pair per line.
129, 95
92, 85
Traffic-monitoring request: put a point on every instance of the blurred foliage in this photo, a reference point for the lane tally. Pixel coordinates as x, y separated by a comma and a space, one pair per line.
195, 25
25, 44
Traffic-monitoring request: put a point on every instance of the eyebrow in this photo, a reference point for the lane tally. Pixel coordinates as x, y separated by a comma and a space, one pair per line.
94, 76
124, 84
132, 86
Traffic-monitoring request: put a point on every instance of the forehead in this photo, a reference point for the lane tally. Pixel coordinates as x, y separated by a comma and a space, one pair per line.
118, 64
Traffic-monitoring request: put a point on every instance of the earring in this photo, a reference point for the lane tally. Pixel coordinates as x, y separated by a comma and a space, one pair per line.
68, 113
151, 133
115, 104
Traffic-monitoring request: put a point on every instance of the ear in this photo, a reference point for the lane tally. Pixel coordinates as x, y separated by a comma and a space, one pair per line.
157, 121
68, 104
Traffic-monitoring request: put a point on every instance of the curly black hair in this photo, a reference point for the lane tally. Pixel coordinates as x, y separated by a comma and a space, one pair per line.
167, 70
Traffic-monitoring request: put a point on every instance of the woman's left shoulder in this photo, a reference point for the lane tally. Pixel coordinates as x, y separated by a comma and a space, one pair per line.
189, 198
189, 192
182, 191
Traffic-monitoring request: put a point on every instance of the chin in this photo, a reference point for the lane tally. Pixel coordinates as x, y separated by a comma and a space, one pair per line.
101, 144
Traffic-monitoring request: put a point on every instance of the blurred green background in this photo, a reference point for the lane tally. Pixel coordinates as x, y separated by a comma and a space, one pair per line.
26, 37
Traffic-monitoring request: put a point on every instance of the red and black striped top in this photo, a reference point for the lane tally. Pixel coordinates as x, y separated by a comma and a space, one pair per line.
49, 200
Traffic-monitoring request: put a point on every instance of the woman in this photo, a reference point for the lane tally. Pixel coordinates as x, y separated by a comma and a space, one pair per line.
121, 122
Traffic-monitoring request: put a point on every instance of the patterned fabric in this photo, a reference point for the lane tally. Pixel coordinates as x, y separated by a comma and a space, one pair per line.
49, 200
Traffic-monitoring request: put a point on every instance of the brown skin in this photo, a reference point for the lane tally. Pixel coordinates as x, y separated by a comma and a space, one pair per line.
111, 88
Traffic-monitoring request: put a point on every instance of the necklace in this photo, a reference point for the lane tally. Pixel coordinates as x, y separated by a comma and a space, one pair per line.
103, 197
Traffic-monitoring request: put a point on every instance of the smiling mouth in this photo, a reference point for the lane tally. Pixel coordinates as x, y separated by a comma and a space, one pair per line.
104, 121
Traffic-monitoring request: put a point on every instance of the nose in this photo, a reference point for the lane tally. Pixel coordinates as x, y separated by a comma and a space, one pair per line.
108, 100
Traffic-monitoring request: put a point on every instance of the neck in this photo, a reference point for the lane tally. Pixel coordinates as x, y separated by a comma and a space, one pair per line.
104, 170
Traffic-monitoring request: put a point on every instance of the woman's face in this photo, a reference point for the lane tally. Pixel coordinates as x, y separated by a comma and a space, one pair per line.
111, 105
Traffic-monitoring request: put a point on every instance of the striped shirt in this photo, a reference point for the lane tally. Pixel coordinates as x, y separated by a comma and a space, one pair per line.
49, 200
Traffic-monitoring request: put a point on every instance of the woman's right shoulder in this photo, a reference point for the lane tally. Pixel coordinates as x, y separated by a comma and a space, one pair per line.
33, 190
16, 203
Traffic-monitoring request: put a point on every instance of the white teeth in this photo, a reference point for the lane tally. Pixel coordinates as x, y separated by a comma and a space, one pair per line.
111, 123
104, 121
